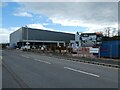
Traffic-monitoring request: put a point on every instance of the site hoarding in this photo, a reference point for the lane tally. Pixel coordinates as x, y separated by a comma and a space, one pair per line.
90, 39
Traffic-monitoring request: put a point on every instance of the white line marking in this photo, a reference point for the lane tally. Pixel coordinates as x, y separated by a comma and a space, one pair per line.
82, 72
38, 60
42, 61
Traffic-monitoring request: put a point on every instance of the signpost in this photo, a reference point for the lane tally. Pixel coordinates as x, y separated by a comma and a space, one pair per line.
95, 50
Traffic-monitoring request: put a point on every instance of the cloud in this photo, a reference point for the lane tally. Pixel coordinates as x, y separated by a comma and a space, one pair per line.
90, 27
45, 24
84, 14
5, 32
93, 16
87, 12
24, 14
61, 0
41, 26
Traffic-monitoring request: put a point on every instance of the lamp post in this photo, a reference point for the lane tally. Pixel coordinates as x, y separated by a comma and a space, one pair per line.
27, 37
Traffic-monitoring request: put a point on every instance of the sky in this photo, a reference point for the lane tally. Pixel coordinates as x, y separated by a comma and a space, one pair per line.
70, 17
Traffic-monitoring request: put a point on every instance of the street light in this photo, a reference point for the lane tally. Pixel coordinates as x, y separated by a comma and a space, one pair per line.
27, 37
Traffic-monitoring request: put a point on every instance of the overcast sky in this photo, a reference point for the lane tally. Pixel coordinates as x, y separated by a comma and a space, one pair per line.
58, 16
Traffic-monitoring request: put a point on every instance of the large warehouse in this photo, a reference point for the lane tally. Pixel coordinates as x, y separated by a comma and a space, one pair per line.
37, 37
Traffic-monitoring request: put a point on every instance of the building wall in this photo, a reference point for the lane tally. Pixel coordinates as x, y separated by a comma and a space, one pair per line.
15, 37
45, 35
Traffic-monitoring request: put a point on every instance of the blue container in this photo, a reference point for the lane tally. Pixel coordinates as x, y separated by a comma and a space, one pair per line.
110, 49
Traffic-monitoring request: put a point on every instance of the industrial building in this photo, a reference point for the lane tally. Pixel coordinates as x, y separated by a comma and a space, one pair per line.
37, 37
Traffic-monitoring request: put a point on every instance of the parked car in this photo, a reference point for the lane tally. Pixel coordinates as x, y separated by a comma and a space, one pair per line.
25, 48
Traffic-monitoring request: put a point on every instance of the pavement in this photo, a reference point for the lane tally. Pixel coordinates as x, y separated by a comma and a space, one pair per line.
30, 70
98, 61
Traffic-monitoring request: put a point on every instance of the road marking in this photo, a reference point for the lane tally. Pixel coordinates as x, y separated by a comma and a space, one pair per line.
82, 72
77, 62
38, 60
42, 61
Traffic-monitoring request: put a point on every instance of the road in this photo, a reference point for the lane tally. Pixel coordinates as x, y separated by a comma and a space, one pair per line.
29, 70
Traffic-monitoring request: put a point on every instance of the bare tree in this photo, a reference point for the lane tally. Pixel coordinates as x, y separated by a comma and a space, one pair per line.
107, 31
110, 32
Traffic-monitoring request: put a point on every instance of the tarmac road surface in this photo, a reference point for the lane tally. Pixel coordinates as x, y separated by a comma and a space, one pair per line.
30, 70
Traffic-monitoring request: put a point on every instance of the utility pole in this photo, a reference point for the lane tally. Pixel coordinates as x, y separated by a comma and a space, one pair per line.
119, 32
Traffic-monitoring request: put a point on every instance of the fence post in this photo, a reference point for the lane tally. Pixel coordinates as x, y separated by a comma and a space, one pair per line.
111, 51
99, 52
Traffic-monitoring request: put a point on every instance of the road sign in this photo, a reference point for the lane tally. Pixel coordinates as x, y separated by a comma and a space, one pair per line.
94, 50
